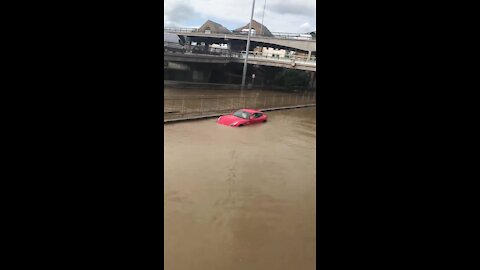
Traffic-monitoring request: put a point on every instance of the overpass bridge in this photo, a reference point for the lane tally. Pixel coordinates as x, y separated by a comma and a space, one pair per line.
285, 40
300, 64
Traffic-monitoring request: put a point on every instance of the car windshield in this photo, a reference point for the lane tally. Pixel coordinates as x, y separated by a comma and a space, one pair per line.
242, 114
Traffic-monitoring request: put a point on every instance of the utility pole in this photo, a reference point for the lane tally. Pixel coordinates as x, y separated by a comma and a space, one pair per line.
263, 15
246, 52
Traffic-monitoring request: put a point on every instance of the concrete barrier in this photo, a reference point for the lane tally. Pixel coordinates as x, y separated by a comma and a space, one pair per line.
189, 118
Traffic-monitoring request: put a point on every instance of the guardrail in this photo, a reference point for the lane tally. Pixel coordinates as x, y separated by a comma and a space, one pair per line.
277, 35
176, 108
286, 58
179, 29
194, 49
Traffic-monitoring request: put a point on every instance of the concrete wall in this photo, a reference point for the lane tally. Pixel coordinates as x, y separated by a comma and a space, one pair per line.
305, 45
177, 57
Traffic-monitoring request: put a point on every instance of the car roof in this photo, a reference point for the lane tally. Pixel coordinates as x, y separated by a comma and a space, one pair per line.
250, 110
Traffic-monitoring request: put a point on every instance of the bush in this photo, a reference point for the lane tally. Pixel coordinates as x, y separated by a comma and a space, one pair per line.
292, 78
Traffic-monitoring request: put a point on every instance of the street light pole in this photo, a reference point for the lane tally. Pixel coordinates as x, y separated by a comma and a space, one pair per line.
263, 15
246, 52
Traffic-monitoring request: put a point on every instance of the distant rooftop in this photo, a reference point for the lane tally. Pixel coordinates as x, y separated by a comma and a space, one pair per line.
213, 27
258, 27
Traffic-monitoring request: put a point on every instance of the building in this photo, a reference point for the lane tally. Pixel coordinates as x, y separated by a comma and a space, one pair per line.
211, 27
259, 29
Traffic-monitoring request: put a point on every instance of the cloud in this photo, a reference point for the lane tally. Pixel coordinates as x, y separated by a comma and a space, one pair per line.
306, 27
182, 12
179, 12
294, 9
279, 16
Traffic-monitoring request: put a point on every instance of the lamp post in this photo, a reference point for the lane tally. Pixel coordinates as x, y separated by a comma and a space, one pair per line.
246, 52
263, 15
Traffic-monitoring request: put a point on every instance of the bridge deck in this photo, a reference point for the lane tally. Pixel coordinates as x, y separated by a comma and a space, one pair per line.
240, 58
305, 45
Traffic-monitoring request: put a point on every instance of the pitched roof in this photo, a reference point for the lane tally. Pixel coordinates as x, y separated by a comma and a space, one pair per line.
259, 30
214, 28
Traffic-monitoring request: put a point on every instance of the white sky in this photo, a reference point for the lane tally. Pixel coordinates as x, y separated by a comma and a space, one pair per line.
297, 16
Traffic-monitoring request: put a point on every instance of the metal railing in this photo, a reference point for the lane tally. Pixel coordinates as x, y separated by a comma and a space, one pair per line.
179, 29
276, 35
299, 36
199, 106
286, 58
197, 49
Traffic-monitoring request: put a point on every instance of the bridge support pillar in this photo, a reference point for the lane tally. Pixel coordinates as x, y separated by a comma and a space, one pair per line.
309, 55
313, 81
197, 76
207, 46
201, 75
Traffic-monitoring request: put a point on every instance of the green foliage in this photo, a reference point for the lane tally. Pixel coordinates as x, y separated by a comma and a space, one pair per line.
292, 78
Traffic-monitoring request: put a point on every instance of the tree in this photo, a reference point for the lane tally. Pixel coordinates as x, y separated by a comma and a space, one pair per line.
292, 78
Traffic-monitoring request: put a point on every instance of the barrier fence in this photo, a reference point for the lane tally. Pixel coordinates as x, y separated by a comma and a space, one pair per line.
176, 108
201, 50
277, 35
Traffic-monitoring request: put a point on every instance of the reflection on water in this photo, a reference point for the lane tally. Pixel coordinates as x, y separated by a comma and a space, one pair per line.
241, 198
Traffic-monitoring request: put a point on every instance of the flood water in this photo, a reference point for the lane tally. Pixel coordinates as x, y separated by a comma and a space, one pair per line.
241, 198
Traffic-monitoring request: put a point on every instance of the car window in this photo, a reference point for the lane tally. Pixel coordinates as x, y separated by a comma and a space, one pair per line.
257, 115
242, 114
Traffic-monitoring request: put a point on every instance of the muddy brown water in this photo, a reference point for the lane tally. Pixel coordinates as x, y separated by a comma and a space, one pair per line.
241, 198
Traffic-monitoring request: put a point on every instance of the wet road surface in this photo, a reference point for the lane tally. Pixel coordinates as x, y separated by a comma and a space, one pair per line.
241, 198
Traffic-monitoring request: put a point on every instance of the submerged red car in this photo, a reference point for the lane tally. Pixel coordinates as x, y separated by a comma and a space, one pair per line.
242, 117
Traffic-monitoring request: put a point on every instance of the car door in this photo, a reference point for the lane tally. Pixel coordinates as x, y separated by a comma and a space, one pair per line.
257, 117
